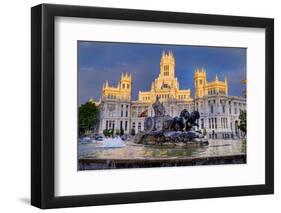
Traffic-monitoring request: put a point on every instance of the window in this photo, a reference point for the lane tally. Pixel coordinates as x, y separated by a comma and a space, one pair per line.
122, 110
126, 113
166, 70
223, 109
134, 125
202, 123
224, 123
212, 109
126, 125
215, 123
123, 85
139, 126
200, 82
121, 124
106, 125
128, 86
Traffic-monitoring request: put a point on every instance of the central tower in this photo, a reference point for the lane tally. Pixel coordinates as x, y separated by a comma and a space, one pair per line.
166, 85
167, 65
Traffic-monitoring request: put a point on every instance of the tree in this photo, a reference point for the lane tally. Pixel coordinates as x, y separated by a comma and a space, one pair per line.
107, 132
88, 116
243, 121
117, 132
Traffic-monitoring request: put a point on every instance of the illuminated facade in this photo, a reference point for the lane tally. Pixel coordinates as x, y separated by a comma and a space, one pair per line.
219, 112
166, 86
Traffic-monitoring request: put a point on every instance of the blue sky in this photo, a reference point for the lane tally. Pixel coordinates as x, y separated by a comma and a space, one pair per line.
101, 61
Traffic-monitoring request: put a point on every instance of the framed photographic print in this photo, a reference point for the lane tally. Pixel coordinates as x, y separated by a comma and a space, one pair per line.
139, 106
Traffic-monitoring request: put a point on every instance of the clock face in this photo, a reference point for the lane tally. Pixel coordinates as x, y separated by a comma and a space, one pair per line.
165, 86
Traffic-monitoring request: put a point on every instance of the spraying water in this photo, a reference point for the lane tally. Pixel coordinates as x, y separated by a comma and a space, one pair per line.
111, 142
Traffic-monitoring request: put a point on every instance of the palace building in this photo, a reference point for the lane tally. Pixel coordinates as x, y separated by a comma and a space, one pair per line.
219, 112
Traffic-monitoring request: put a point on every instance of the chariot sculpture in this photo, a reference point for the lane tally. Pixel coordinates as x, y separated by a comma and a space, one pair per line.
162, 129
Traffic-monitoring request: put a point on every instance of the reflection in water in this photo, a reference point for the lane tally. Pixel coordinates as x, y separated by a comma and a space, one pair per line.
215, 148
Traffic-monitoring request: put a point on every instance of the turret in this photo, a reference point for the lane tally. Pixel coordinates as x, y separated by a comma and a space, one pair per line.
122, 91
125, 86
200, 81
226, 85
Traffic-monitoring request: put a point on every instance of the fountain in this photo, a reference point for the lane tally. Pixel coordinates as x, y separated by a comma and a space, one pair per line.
162, 129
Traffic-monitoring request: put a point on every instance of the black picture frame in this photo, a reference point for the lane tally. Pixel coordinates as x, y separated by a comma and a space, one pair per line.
43, 105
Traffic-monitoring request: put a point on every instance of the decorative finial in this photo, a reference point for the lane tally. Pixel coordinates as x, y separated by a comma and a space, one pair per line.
216, 78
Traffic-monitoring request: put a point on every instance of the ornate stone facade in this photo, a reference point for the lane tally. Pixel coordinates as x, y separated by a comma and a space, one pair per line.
219, 112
